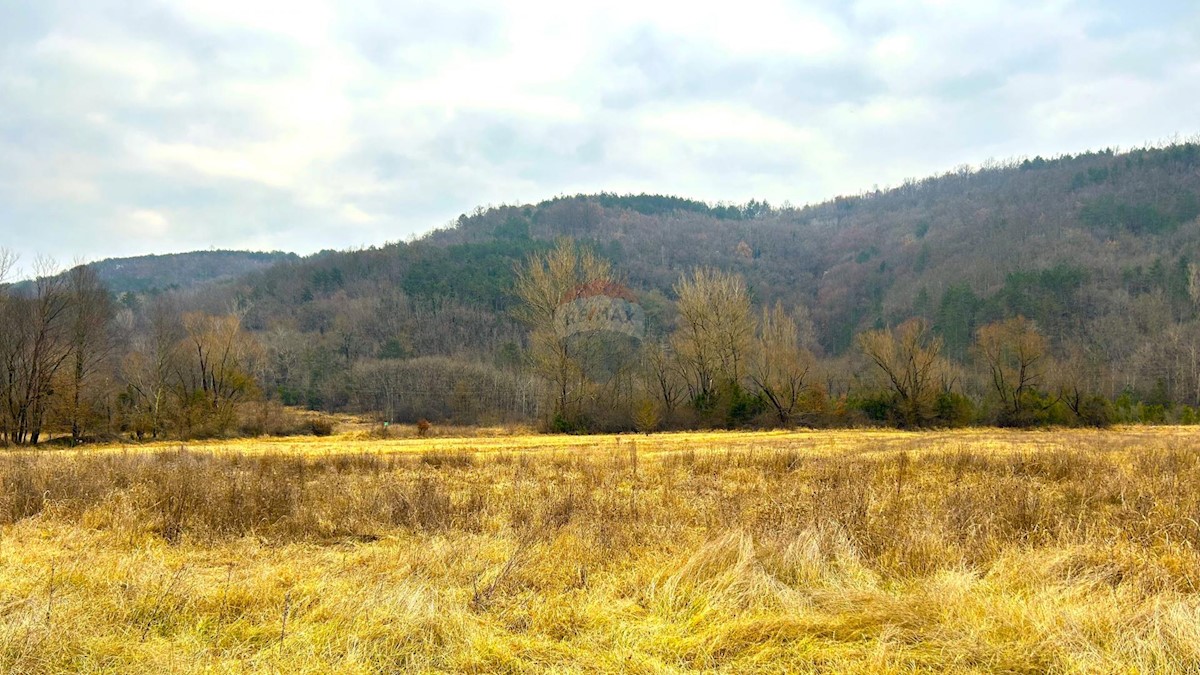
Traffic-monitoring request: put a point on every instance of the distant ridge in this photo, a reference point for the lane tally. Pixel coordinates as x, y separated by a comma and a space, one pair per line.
179, 271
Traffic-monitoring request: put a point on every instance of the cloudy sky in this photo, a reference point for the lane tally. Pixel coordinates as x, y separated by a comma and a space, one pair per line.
131, 127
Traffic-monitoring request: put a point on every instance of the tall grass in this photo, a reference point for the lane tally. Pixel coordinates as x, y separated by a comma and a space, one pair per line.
955, 551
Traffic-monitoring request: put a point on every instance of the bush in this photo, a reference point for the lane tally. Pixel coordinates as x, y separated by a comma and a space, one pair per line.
1096, 411
1154, 414
1188, 415
563, 423
954, 409
877, 407
320, 426
741, 406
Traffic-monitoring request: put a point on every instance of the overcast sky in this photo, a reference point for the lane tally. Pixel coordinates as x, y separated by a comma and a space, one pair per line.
131, 127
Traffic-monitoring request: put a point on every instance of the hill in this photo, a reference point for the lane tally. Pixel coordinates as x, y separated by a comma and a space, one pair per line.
149, 274
1097, 248
1097, 252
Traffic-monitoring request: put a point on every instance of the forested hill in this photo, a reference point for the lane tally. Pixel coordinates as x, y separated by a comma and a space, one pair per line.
1098, 252
178, 271
1069, 242
1099, 249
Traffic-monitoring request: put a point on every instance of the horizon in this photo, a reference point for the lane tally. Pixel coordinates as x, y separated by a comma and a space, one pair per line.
19, 274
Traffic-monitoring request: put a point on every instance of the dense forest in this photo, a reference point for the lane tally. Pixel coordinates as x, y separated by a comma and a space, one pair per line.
1061, 290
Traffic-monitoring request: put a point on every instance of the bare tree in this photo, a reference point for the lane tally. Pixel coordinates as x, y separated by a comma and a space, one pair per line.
909, 357
92, 342
214, 377
544, 284
780, 366
660, 370
38, 345
147, 369
1079, 376
8, 326
8, 262
714, 331
1017, 360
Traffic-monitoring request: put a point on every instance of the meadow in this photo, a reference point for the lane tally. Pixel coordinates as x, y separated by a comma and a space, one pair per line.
813, 551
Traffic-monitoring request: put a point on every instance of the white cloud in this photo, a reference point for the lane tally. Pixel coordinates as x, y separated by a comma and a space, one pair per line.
285, 124
144, 223
356, 215
711, 122
300, 20
749, 28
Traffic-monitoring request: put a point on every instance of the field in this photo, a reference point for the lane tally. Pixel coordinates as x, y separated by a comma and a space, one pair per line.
847, 551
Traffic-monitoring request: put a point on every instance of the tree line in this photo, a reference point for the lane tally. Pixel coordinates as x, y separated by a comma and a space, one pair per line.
1094, 252
75, 364
961, 250
724, 363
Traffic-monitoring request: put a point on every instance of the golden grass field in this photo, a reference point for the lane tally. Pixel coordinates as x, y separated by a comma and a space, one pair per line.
838, 551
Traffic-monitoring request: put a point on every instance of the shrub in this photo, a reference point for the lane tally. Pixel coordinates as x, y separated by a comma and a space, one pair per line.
1154, 414
320, 426
1096, 411
877, 407
1187, 415
646, 416
741, 406
562, 423
954, 409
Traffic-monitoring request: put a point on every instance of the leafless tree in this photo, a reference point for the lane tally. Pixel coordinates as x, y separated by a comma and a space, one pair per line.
214, 376
92, 342
909, 358
714, 331
1017, 360
148, 367
780, 365
543, 284
663, 380
37, 347
8, 329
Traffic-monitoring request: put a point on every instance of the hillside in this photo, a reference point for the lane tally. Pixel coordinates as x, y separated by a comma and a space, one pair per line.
1097, 248
1098, 251
178, 271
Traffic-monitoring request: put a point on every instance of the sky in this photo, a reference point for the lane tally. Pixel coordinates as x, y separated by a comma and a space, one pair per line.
130, 127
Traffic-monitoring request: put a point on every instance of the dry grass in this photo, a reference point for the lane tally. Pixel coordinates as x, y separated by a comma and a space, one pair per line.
973, 551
